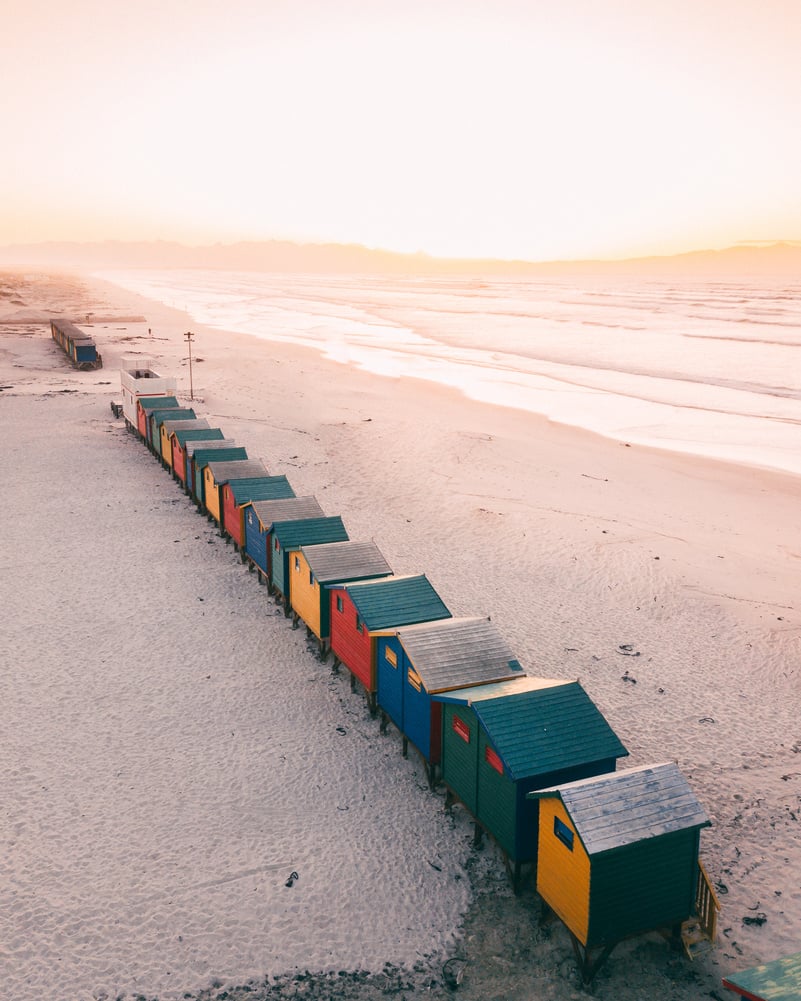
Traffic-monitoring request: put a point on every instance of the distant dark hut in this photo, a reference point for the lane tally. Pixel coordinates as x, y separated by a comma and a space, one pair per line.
217, 474
778, 980
165, 436
198, 456
259, 517
179, 440
415, 662
76, 344
288, 537
357, 611
237, 493
501, 741
145, 405
618, 856
316, 567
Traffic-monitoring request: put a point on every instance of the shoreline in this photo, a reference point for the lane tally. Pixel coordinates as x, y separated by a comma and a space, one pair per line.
650, 409
573, 545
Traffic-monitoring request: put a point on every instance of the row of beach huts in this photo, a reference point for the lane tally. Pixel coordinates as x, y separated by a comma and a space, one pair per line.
613, 854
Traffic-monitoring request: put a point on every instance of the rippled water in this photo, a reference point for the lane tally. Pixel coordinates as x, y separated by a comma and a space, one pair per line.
708, 367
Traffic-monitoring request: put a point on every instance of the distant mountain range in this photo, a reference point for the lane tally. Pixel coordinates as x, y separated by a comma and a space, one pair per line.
757, 258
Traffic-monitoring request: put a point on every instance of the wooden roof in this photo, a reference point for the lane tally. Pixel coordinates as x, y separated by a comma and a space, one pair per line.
623, 808
396, 601
196, 446
539, 726
238, 469
456, 653
184, 425
338, 561
262, 488
779, 980
285, 509
295, 533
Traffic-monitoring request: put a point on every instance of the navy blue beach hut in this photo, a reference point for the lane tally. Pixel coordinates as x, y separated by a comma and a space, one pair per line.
502, 741
357, 611
260, 516
288, 537
417, 662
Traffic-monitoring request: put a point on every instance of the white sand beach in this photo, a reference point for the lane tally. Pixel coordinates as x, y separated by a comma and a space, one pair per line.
173, 750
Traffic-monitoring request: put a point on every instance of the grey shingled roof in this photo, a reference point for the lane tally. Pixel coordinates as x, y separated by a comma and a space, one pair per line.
335, 561
456, 653
622, 808
192, 446
170, 426
239, 469
286, 509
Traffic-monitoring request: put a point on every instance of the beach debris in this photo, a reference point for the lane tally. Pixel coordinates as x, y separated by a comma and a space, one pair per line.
434, 865
706, 719
627, 677
342, 730
758, 919
627, 650
453, 971
292, 877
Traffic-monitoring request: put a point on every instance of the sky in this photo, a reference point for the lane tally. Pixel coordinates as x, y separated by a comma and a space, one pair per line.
525, 129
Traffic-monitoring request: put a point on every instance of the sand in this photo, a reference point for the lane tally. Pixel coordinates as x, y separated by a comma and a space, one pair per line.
174, 750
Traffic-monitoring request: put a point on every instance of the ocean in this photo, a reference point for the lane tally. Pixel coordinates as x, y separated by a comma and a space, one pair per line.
708, 367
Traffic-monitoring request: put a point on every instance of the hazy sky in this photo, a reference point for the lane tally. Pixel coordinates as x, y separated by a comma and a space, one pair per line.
532, 129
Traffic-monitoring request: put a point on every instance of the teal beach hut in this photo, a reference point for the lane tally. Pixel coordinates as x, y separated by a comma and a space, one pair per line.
501, 741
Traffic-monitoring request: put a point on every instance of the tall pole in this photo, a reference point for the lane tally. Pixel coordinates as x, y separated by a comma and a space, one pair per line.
188, 336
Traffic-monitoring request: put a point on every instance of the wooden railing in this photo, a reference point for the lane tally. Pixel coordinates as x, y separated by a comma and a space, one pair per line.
707, 905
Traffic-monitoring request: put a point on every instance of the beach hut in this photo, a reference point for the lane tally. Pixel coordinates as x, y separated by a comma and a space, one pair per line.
501, 741
357, 611
288, 537
178, 442
144, 407
198, 454
165, 436
157, 417
416, 662
778, 980
217, 473
138, 380
236, 493
78, 346
315, 567
260, 516
618, 856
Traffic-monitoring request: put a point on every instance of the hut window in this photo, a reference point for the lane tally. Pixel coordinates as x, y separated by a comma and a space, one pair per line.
461, 729
311, 579
391, 656
359, 625
340, 603
297, 563
493, 760
276, 545
563, 832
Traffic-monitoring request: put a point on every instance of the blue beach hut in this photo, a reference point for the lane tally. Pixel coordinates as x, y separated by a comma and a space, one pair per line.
259, 517
416, 662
